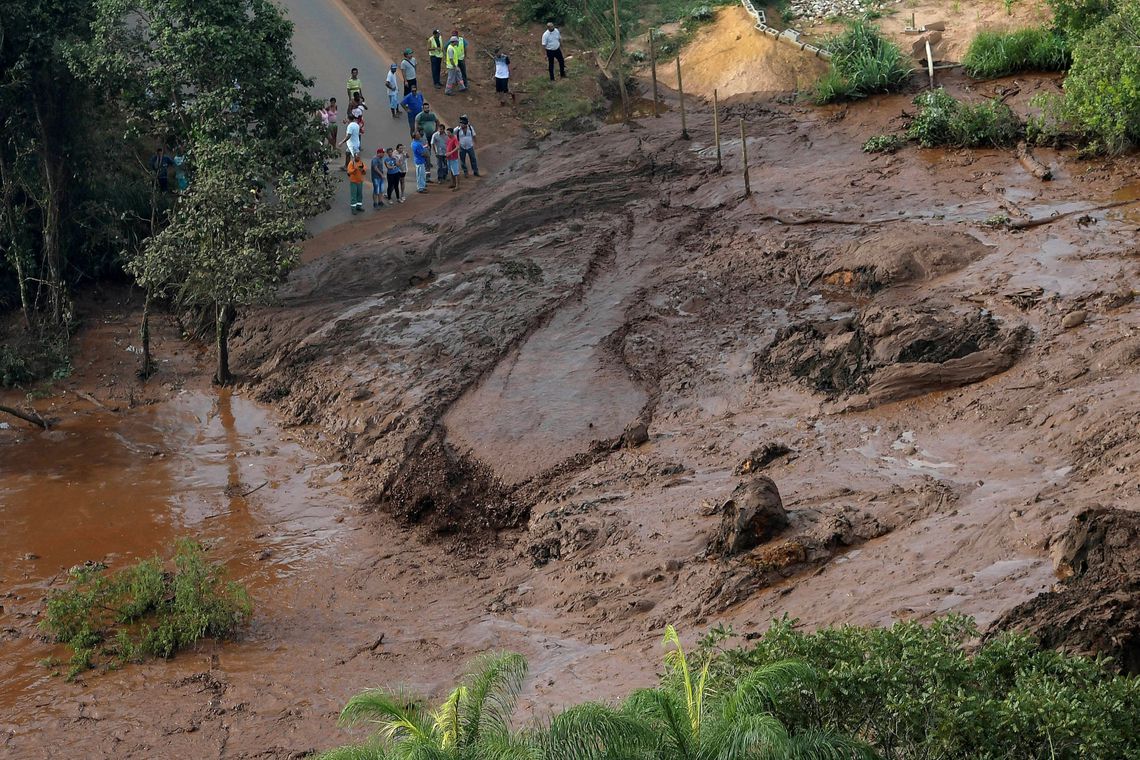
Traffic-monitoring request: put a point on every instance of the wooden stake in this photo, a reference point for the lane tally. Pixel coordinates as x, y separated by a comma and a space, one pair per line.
744, 152
621, 75
681, 94
930, 64
716, 128
653, 71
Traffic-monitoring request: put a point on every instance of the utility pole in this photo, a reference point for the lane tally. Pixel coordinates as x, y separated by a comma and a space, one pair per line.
620, 72
653, 70
681, 94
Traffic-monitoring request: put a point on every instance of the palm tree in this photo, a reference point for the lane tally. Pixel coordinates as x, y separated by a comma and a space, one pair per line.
471, 724
694, 722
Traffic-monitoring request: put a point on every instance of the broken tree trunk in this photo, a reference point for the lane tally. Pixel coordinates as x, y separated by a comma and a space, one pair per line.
1031, 164
30, 417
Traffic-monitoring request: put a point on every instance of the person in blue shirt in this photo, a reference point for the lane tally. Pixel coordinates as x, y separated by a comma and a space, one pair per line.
420, 156
413, 103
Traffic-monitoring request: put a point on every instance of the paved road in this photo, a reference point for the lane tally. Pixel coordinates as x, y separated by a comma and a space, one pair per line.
328, 41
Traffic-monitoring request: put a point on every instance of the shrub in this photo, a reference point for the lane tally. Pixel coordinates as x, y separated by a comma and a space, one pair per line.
943, 121
1049, 126
996, 54
1075, 17
863, 62
143, 610
1102, 91
884, 144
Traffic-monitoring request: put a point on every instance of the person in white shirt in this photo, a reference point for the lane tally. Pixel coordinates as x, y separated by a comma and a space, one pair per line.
392, 84
503, 76
351, 140
552, 41
466, 134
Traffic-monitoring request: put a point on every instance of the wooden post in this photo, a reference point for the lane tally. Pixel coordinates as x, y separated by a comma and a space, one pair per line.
744, 152
653, 71
681, 94
930, 64
716, 128
620, 73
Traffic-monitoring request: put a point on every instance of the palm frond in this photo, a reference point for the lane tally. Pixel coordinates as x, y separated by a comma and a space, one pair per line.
762, 688
505, 746
822, 745
354, 752
396, 715
592, 731
745, 736
493, 683
446, 717
675, 659
664, 712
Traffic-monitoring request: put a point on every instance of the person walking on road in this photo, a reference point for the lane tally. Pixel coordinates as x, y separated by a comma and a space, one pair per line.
356, 185
453, 157
392, 168
351, 141
352, 86
466, 135
462, 48
454, 74
408, 69
552, 41
330, 121
413, 104
420, 158
377, 172
435, 50
392, 84
503, 77
439, 149
426, 121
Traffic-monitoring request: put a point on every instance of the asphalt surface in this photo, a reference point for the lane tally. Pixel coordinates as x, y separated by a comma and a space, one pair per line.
328, 42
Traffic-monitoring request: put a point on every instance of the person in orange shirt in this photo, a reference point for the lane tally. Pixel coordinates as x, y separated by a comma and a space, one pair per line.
356, 170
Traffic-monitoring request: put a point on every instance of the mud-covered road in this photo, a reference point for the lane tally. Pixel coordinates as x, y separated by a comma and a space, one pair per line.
933, 394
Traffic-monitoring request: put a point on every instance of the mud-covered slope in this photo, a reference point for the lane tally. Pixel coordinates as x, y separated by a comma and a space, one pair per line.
945, 407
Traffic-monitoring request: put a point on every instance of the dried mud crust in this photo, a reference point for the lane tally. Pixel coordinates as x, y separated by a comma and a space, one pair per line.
1095, 608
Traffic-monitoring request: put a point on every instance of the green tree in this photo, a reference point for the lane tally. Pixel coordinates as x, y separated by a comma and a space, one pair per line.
1102, 91
696, 722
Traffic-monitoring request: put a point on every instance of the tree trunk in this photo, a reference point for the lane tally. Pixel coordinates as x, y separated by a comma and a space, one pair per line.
31, 417
147, 368
52, 163
226, 316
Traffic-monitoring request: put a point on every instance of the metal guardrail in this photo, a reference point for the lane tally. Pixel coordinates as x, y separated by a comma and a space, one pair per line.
789, 36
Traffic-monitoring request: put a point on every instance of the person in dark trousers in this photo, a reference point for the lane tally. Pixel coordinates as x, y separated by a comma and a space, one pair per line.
466, 134
503, 77
352, 86
408, 69
439, 148
392, 167
462, 50
160, 163
413, 104
552, 42
435, 50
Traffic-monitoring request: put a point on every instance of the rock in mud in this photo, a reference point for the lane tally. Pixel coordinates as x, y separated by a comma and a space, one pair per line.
761, 457
754, 515
904, 254
635, 435
1074, 319
1095, 609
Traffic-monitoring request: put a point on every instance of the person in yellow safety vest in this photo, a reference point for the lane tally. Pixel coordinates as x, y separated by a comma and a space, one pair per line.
454, 72
435, 50
462, 53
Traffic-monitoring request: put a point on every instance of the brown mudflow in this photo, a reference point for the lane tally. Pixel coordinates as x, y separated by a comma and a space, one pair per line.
944, 409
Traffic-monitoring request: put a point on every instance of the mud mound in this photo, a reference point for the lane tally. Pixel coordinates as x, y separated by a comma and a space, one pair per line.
902, 254
890, 353
451, 492
1095, 610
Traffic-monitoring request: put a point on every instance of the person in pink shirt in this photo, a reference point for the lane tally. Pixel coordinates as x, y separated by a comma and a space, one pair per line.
453, 157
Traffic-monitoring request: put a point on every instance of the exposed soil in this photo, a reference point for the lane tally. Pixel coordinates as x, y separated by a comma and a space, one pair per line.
551, 390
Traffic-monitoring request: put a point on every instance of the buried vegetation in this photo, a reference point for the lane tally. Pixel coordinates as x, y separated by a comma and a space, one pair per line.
144, 610
909, 691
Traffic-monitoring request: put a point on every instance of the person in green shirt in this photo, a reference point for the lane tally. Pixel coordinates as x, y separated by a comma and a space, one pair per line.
435, 50
353, 85
426, 120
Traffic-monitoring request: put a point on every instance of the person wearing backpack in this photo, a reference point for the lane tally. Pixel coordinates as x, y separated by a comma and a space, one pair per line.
466, 135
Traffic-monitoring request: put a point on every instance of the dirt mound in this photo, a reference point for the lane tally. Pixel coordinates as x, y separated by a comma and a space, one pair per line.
902, 254
889, 353
1095, 609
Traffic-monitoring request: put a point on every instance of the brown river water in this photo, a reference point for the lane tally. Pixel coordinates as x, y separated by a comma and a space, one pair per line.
115, 487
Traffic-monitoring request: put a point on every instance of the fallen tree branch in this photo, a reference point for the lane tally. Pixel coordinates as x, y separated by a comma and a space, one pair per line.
1024, 224
1031, 164
30, 417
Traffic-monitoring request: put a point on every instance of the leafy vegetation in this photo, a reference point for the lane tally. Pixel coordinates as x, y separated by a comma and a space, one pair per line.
548, 107
1075, 17
884, 144
863, 63
944, 121
143, 610
997, 54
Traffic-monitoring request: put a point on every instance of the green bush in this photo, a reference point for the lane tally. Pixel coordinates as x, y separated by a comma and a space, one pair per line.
1049, 126
30, 356
997, 54
884, 144
1102, 90
1075, 17
863, 63
942, 121
143, 610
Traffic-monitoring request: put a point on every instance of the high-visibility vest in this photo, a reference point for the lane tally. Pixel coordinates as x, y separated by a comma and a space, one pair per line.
435, 49
462, 48
452, 56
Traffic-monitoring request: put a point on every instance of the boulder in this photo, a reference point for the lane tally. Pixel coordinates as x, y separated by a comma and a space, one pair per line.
753, 515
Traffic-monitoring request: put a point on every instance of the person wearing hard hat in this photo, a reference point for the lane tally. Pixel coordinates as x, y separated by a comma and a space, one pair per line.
462, 47
454, 73
435, 50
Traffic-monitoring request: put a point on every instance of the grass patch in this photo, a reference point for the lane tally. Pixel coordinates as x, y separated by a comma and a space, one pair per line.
997, 54
863, 62
33, 355
548, 106
144, 610
942, 121
884, 144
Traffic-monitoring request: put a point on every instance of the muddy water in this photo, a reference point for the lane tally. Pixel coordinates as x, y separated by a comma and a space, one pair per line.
109, 487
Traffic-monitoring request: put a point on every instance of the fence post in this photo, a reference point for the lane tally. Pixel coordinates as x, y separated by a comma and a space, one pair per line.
621, 74
716, 128
653, 70
681, 94
744, 150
